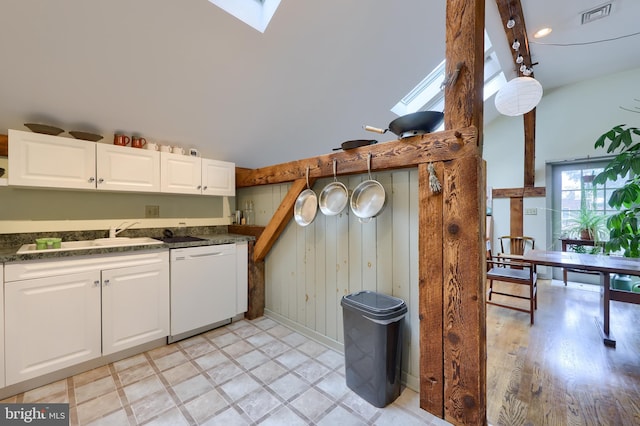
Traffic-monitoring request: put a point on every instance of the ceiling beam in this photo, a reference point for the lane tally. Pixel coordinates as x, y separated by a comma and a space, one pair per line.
393, 155
512, 9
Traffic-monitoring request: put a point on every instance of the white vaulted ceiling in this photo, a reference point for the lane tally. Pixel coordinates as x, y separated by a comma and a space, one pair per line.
189, 73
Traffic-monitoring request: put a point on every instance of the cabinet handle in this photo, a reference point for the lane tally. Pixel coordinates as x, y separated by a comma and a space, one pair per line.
106, 283
205, 188
199, 186
100, 180
96, 283
91, 179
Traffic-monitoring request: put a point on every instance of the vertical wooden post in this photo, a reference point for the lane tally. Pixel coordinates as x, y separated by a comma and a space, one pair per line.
464, 342
430, 293
462, 210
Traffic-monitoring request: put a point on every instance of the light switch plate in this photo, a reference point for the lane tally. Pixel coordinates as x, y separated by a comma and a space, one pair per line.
531, 211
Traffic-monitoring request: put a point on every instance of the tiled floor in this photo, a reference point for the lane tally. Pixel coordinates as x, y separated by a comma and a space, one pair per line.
247, 373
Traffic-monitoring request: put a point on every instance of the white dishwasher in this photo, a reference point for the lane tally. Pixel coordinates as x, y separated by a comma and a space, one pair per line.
203, 288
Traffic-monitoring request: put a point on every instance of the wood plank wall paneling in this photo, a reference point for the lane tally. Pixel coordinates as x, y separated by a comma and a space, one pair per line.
310, 268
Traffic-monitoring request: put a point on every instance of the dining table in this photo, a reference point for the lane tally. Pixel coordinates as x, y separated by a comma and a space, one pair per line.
604, 265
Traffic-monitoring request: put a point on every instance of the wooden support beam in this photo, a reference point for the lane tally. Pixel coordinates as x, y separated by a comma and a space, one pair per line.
464, 310
256, 283
398, 154
513, 9
279, 220
4, 146
539, 191
463, 226
530, 149
516, 216
430, 294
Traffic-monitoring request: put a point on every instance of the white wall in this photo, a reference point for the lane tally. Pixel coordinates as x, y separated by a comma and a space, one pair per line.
568, 122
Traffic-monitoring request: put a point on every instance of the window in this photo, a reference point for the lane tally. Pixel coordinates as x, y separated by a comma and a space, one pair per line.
255, 13
573, 190
428, 95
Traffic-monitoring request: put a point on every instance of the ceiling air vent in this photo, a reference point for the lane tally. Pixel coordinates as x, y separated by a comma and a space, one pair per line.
596, 13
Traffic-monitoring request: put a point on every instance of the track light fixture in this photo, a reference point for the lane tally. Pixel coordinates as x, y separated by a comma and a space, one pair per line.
515, 45
511, 23
519, 59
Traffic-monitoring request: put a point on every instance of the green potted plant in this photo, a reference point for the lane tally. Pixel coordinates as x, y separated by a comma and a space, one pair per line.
624, 233
587, 224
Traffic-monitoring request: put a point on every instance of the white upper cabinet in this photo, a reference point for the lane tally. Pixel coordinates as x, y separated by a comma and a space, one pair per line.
184, 174
180, 174
51, 161
218, 178
58, 162
122, 168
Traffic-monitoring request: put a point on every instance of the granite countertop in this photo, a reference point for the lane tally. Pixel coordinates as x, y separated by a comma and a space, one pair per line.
8, 254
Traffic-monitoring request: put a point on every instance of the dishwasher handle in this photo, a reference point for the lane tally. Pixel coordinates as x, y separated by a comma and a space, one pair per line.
194, 256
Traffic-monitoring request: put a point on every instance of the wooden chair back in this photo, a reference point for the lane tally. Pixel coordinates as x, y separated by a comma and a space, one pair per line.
517, 245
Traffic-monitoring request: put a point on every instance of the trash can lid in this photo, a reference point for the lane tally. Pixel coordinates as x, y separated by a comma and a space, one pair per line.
376, 305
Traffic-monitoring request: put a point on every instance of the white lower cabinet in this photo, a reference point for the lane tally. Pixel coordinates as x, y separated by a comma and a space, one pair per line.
135, 306
84, 309
51, 323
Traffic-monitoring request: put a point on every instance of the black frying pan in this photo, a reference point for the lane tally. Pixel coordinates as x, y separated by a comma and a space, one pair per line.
355, 144
412, 124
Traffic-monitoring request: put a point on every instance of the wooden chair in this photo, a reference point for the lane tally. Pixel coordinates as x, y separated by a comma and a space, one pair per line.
516, 245
508, 267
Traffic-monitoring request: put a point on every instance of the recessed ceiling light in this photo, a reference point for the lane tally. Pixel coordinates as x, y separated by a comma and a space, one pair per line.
542, 32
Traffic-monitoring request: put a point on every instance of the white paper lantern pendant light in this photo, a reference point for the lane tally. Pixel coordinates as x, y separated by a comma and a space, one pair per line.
518, 96
522, 94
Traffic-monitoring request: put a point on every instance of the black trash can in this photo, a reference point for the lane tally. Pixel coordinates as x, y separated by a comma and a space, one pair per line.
373, 325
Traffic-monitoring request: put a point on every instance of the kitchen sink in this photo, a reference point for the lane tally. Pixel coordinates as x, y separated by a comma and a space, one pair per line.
89, 244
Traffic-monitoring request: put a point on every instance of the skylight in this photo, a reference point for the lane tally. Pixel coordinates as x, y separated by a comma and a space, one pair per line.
255, 13
428, 94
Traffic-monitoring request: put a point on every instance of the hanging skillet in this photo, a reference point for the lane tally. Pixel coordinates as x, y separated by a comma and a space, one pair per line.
355, 144
306, 206
368, 198
418, 123
335, 196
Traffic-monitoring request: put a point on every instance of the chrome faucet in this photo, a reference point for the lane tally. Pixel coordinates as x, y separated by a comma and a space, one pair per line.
115, 230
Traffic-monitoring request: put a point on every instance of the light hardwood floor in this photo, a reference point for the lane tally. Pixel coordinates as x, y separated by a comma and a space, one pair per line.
558, 371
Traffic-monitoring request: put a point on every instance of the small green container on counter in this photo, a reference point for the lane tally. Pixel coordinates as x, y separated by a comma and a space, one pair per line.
48, 243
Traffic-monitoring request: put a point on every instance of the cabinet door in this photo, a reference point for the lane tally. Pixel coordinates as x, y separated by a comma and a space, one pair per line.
51, 323
122, 168
180, 173
218, 178
135, 305
51, 161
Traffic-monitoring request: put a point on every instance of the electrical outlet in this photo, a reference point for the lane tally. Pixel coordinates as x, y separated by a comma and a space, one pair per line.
531, 211
152, 211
